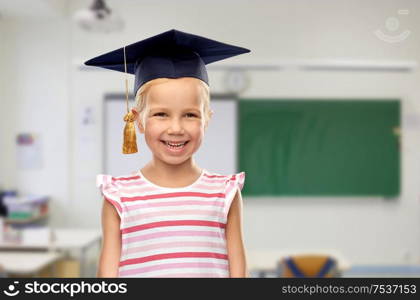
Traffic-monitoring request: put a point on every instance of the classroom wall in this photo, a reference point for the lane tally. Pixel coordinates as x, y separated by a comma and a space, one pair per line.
364, 230
35, 99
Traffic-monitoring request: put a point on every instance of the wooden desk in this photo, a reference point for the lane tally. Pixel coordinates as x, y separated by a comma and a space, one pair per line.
26, 263
65, 241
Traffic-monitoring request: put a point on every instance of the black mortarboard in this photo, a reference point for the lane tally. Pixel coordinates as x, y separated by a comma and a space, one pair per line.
171, 54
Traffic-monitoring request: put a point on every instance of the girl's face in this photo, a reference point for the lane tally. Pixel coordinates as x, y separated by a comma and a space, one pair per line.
174, 120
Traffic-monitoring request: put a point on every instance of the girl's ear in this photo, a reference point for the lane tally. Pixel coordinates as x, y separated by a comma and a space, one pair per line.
138, 119
207, 122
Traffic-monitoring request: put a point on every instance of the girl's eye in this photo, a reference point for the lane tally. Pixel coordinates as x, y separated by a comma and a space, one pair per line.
162, 114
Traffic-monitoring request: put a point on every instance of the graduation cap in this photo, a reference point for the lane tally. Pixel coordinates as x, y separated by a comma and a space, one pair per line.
171, 54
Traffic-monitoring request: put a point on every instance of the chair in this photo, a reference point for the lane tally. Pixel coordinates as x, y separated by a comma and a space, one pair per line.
301, 266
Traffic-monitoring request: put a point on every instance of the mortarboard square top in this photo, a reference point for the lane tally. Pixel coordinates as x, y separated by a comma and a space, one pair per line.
171, 54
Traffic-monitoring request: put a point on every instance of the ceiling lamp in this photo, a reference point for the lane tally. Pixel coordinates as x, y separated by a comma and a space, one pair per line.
98, 18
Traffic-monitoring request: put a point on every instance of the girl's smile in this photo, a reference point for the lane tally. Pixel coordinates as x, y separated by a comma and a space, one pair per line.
175, 147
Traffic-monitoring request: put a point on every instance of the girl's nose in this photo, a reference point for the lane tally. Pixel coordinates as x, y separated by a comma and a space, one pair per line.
175, 127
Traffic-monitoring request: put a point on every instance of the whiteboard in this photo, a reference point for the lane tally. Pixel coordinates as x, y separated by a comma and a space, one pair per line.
217, 152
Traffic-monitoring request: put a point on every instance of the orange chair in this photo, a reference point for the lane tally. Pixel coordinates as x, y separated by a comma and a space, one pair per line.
300, 266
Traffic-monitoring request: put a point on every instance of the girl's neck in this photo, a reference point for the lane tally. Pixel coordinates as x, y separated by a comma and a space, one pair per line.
177, 175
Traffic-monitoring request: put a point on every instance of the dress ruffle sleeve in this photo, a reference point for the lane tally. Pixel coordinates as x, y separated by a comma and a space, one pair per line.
233, 183
109, 191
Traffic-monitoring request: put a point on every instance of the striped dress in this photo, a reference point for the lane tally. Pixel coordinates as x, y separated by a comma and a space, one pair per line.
172, 232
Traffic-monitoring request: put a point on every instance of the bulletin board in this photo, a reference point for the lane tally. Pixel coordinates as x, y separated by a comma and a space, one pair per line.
298, 147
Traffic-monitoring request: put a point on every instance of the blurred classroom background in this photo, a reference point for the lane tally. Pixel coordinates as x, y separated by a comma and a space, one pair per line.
323, 116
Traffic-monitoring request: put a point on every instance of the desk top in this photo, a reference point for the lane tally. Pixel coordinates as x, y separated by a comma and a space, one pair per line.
65, 239
26, 262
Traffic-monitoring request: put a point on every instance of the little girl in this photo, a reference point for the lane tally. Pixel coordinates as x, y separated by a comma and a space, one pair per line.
172, 218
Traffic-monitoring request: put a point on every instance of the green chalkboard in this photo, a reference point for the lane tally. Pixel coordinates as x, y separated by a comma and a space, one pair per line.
320, 147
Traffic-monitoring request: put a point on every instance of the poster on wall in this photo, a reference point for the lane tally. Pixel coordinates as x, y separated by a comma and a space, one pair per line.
28, 151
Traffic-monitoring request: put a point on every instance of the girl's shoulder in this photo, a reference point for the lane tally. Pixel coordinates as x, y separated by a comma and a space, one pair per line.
106, 179
231, 177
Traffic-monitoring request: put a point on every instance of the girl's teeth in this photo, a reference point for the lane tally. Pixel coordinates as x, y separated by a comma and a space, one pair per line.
175, 145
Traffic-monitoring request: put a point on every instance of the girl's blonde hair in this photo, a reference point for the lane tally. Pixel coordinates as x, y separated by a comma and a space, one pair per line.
141, 99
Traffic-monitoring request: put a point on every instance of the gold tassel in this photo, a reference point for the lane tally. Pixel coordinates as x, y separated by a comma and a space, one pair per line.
130, 143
